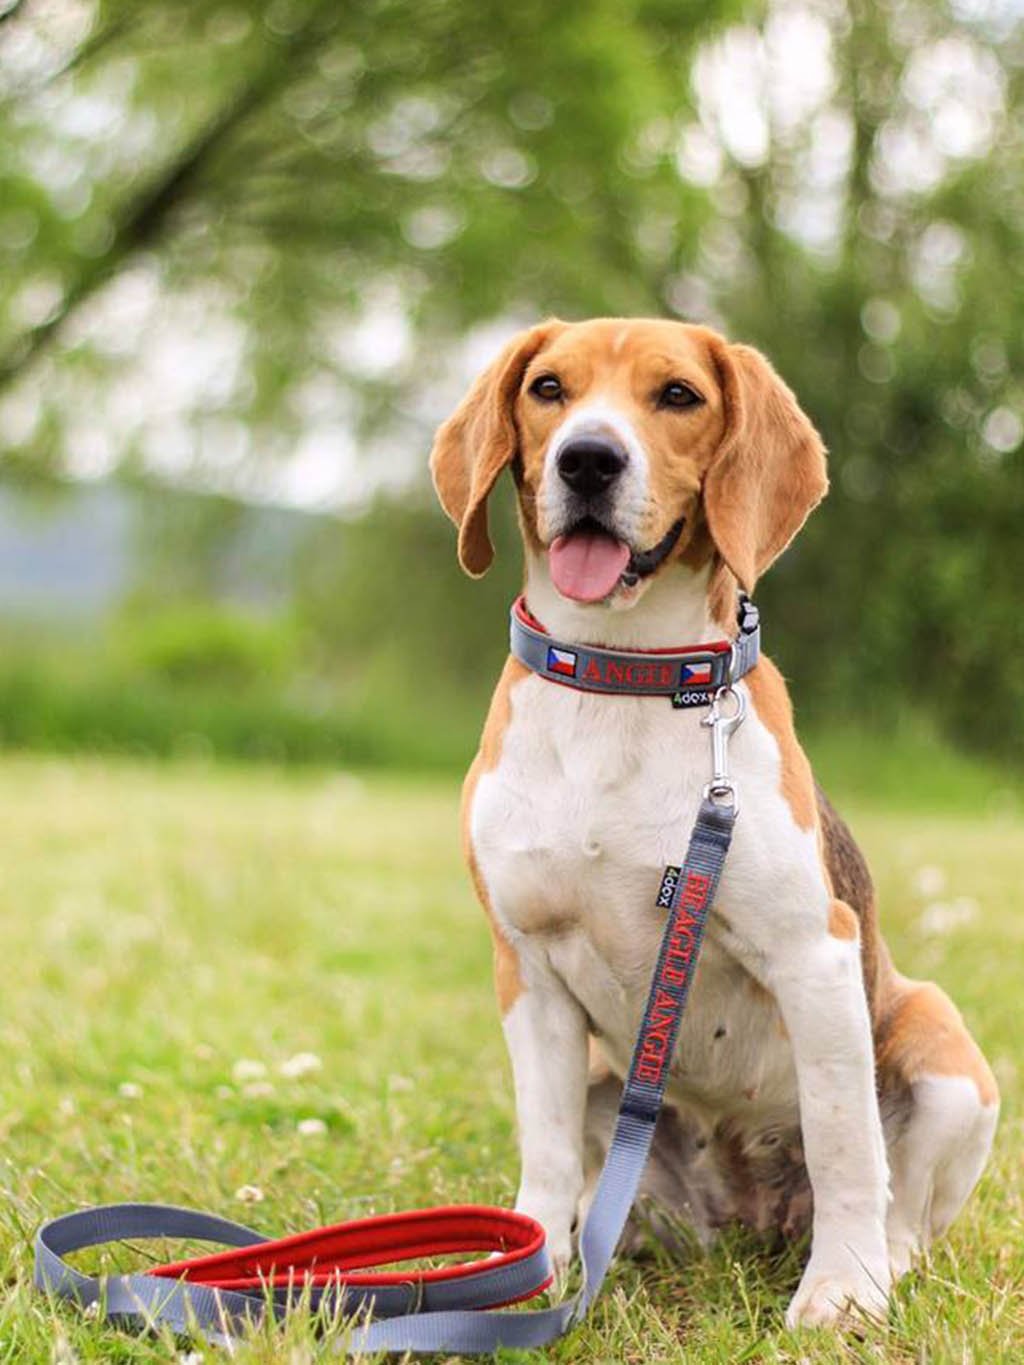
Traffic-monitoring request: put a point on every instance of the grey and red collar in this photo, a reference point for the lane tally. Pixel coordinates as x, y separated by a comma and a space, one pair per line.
690, 675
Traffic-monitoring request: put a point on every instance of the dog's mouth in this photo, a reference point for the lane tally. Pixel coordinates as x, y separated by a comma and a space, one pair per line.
588, 563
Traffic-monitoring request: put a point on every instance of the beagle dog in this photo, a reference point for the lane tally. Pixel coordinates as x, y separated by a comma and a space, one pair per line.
659, 470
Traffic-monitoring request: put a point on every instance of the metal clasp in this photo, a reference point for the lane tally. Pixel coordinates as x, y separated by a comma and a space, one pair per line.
721, 789
730, 671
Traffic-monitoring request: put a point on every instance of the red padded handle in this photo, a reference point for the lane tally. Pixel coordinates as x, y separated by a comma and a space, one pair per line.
343, 1251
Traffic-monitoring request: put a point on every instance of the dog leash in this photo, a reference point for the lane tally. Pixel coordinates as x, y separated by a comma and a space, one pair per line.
446, 1309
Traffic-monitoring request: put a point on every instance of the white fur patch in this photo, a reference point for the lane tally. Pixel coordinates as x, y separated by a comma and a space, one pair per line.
936, 1161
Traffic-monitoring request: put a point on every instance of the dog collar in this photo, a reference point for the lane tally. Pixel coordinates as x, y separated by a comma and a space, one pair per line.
690, 676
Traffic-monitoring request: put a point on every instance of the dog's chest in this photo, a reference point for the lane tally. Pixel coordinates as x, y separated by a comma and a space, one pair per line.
592, 797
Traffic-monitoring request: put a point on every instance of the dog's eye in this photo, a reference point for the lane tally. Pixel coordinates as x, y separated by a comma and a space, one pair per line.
678, 395
547, 388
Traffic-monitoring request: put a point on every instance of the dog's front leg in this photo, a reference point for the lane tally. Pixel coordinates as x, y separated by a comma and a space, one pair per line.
546, 1033
821, 994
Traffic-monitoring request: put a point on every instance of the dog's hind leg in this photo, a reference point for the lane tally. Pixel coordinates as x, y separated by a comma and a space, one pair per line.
940, 1104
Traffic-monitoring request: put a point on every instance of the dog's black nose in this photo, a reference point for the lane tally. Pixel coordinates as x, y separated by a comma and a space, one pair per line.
590, 464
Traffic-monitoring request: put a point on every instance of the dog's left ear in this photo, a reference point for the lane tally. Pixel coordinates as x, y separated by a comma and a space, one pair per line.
769, 471
477, 442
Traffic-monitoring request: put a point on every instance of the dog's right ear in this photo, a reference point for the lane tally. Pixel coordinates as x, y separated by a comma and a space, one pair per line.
769, 471
478, 441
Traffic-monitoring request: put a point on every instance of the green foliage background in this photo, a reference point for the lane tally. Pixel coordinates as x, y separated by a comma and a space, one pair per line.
291, 169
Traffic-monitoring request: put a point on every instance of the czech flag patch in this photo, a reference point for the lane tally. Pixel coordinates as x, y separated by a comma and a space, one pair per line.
694, 675
561, 661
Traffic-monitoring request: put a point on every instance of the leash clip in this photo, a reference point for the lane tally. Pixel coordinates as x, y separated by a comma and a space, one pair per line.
721, 789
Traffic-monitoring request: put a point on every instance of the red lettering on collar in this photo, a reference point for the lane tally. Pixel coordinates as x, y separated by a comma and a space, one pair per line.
615, 673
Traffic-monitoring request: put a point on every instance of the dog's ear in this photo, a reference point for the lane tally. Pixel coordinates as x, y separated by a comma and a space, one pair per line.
769, 470
477, 442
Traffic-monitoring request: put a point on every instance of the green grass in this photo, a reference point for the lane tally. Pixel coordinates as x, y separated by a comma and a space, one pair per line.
160, 925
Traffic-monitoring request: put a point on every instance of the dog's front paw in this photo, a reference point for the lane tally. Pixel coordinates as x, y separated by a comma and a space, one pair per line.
842, 1293
560, 1255
557, 1225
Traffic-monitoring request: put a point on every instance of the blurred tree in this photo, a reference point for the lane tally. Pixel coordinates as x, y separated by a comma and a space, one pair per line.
876, 250
299, 166
238, 234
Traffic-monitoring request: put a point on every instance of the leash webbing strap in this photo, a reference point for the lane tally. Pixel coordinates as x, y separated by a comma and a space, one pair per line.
422, 1311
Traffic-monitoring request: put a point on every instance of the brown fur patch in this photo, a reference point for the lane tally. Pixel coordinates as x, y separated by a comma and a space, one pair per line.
850, 882
842, 922
767, 1181
918, 1030
478, 441
508, 979
769, 473
722, 596
924, 1034
772, 704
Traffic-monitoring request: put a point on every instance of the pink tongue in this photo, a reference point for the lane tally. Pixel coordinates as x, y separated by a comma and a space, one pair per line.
587, 565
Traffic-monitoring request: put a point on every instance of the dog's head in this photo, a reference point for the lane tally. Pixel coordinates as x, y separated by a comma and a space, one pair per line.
635, 444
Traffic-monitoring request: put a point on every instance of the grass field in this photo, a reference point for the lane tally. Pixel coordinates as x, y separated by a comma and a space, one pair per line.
174, 939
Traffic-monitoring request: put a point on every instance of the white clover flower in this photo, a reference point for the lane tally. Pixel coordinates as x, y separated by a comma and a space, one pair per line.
302, 1064
249, 1194
929, 881
128, 1090
258, 1090
248, 1069
942, 917
311, 1128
